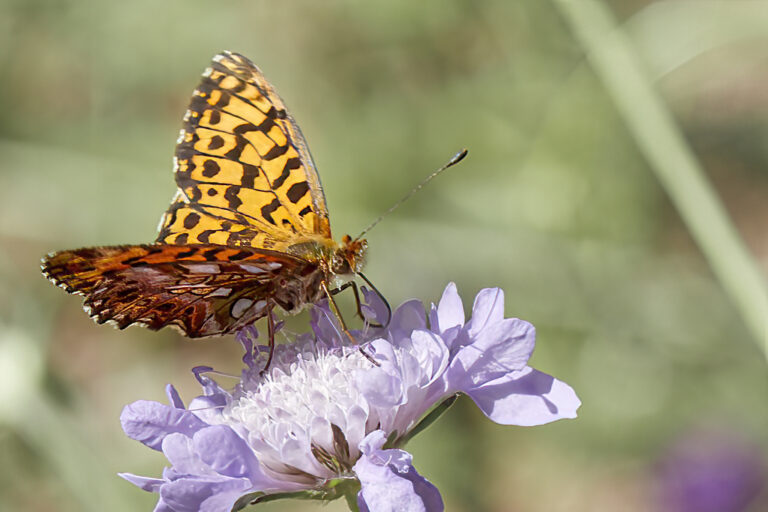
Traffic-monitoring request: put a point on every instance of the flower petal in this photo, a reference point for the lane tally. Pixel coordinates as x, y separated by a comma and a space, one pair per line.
381, 385
196, 494
526, 398
208, 406
432, 355
173, 397
179, 451
487, 310
390, 483
450, 309
408, 317
150, 422
374, 308
228, 454
143, 482
501, 348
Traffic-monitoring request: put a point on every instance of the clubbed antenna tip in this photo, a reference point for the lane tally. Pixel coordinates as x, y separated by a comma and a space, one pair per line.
458, 157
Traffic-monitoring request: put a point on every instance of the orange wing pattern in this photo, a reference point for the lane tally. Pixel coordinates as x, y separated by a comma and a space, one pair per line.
248, 195
204, 290
244, 172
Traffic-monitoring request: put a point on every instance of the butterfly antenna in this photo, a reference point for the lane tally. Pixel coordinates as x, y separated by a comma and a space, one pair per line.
458, 157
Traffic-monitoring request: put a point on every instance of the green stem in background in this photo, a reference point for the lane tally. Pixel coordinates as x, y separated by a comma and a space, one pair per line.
616, 63
429, 419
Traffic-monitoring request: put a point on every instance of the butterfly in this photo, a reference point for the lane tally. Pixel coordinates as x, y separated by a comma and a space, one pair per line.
246, 232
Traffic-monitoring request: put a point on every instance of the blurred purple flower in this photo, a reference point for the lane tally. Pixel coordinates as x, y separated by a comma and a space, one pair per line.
711, 470
325, 417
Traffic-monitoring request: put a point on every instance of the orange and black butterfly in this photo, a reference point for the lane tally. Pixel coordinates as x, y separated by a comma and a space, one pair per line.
247, 231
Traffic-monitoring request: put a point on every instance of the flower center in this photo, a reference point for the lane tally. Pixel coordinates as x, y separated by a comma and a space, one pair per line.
305, 418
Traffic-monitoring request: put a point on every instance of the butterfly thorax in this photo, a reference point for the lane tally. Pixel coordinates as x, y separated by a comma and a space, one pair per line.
336, 259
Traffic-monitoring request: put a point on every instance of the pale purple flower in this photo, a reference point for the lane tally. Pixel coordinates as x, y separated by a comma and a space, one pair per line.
711, 469
328, 420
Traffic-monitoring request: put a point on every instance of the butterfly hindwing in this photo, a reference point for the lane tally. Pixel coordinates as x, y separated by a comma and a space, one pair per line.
204, 290
247, 229
244, 172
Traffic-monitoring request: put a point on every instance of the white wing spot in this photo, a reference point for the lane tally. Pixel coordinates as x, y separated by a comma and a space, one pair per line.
220, 292
202, 268
239, 307
252, 269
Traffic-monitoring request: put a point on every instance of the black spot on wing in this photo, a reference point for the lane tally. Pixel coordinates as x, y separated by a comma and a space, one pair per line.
287, 225
268, 209
233, 200
245, 128
239, 255
216, 142
210, 168
203, 237
290, 164
275, 152
297, 191
266, 125
191, 220
210, 254
223, 100
250, 173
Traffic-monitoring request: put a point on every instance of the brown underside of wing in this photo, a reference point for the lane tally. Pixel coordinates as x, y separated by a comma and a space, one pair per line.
204, 290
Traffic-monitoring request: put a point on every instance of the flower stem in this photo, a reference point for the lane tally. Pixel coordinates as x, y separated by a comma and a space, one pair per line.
616, 63
351, 500
430, 418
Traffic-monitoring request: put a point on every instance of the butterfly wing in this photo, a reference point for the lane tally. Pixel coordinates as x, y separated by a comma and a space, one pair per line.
244, 172
204, 290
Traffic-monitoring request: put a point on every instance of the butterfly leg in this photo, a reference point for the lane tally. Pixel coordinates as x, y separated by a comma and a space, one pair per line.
335, 309
271, 335
353, 285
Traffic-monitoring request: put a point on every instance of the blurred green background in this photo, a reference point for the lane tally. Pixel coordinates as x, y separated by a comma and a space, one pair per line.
558, 203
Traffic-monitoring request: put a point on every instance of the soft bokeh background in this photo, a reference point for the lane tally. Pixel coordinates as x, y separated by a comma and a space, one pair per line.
557, 203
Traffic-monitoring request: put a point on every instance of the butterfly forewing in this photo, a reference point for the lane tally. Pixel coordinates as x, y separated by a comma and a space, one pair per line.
248, 196
204, 290
244, 174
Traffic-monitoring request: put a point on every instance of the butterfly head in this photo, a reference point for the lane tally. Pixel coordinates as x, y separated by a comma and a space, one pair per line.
349, 257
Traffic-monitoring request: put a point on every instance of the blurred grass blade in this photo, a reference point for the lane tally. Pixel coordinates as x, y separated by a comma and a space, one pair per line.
669, 34
616, 63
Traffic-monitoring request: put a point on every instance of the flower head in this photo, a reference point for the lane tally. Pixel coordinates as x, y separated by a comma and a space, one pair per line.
329, 419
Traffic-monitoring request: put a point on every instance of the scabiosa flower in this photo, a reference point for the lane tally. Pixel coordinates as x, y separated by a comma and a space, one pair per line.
329, 420
711, 468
